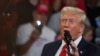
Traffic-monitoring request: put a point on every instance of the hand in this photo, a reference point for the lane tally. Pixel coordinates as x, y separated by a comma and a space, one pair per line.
35, 35
74, 49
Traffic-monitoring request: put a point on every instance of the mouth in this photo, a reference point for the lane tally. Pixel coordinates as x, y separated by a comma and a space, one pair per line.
66, 30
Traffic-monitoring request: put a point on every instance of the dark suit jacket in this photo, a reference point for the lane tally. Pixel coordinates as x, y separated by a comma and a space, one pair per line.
85, 49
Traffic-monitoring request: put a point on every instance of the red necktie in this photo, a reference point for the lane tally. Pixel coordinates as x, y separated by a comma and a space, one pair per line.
64, 51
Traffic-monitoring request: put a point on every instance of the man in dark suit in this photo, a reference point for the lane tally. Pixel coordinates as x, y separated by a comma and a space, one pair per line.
72, 19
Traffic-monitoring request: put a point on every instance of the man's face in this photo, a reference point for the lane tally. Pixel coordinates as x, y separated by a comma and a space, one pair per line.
71, 23
41, 16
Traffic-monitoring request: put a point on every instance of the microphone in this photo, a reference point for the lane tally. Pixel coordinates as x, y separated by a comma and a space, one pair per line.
67, 39
67, 36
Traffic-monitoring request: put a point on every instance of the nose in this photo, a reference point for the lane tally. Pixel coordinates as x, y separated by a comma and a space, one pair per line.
66, 25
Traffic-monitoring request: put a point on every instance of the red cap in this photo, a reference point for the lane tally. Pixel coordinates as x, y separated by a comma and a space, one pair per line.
42, 8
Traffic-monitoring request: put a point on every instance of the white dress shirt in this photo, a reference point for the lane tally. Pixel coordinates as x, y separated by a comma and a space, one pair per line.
63, 43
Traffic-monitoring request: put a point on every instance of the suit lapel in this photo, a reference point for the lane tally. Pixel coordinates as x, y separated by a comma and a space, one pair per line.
55, 48
82, 45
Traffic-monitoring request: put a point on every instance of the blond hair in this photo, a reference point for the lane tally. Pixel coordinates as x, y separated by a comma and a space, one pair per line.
75, 11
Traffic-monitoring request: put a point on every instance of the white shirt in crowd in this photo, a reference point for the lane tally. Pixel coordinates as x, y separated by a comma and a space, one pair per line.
24, 33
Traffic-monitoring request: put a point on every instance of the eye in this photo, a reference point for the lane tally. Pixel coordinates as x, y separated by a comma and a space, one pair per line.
63, 20
72, 21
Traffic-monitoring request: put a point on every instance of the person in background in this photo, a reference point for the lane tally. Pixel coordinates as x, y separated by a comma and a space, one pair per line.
59, 4
34, 2
88, 33
97, 30
24, 10
72, 19
31, 38
4, 48
92, 13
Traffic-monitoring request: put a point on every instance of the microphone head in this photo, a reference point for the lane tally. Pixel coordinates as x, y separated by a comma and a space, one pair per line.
67, 36
66, 33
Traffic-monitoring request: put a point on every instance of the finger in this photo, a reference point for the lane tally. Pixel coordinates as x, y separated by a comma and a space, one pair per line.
74, 49
73, 46
72, 53
35, 34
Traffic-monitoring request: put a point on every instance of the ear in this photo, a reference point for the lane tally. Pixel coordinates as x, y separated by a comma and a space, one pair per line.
82, 26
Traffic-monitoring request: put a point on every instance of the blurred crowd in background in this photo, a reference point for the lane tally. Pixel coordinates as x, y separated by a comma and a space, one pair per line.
18, 17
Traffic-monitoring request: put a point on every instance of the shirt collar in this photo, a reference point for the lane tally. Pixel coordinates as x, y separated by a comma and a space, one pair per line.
76, 41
